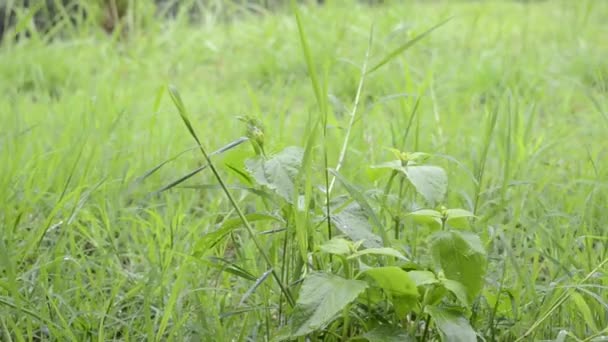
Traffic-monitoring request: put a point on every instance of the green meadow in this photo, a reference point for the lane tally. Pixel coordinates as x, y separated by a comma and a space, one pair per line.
406, 171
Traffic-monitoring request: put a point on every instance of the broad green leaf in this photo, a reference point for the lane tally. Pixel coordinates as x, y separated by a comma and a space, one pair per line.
353, 222
387, 251
458, 218
431, 182
459, 290
423, 277
364, 207
279, 172
322, 296
462, 257
452, 325
403, 305
429, 217
435, 295
388, 334
338, 246
393, 280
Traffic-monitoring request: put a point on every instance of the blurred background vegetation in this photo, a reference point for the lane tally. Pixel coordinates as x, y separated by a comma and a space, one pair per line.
59, 17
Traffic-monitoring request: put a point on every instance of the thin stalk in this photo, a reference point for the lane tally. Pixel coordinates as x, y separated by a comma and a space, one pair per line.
353, 113
492, 327
321, 97
182, 111
484, 156
427, 322
558, 303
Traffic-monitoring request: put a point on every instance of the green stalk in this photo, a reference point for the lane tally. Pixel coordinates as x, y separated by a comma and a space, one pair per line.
184, 115
353, 113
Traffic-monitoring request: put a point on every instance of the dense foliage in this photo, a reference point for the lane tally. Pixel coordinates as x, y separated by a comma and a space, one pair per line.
407, 171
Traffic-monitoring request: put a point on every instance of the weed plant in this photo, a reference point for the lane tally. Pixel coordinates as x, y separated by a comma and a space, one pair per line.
413, 171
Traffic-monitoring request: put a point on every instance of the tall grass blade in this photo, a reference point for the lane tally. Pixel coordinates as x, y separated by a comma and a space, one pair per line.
184, 115
320, 95
252, 289
200, 168
405, 46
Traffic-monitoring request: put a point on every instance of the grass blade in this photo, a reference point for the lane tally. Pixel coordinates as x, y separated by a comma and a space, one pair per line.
184, 115
406, 46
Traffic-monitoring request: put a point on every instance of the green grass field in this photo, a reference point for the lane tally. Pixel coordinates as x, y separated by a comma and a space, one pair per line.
509, 98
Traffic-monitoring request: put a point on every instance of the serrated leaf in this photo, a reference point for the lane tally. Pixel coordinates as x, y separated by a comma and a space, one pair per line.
338, 246
388, 334
353, 222
423, 277
386, 251
431, 182
322, 296
279, 172
462, 257
452, 325
393, 280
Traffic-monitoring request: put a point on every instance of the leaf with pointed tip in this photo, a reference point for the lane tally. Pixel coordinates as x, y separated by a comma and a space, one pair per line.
396, 283
429, 217
279, 172
458, 218
393, 280
462, 257
452, 325
322, 296
431, 182
337, 246
353, 222
423, 277
257, 284
405, 46
364, 209
458, 290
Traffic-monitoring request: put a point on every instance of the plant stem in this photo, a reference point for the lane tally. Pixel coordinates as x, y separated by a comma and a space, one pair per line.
427, 322
182, 111
353, 113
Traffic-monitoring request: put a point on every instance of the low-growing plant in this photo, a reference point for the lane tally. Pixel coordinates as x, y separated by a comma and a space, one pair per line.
357, 281
363, 283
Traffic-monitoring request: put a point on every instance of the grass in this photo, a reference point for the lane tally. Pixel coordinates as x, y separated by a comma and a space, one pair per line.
510, 98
